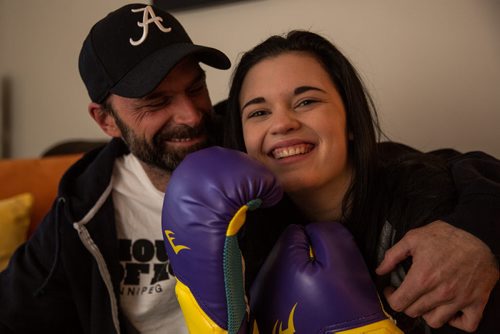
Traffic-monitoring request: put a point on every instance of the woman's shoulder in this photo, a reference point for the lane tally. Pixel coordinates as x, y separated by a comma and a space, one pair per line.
418, 186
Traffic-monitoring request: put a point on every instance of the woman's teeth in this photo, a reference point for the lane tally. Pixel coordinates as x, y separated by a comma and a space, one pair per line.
285, 152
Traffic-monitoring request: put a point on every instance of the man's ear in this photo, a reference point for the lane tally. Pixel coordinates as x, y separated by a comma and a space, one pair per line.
104, 119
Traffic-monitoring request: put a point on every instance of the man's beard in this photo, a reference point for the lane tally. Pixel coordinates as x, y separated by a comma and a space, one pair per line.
158, 153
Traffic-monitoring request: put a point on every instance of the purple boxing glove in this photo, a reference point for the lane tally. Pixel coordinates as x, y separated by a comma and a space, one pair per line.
204, 207
315, 281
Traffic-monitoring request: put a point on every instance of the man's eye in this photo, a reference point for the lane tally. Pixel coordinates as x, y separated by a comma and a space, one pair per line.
156, 105
151, 108
198, 88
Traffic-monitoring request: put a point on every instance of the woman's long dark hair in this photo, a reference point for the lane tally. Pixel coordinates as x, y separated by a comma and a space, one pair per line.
361, 116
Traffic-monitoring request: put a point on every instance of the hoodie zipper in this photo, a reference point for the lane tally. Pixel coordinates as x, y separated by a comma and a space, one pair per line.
87, 241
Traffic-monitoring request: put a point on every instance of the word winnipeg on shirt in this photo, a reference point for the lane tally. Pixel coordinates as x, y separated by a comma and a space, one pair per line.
144, 265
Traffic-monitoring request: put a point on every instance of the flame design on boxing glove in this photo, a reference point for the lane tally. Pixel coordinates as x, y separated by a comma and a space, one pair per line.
316, 281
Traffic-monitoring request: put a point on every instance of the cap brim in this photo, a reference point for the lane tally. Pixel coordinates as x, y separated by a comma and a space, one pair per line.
148, 74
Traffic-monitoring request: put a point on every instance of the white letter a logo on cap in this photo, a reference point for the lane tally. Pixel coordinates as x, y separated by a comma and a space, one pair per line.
148, 17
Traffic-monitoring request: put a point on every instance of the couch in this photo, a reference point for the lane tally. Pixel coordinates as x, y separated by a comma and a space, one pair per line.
28, 188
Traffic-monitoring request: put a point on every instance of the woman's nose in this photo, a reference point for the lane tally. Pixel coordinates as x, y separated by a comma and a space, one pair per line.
284, 122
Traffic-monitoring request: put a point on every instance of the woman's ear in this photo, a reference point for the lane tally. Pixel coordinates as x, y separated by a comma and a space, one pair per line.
104, 119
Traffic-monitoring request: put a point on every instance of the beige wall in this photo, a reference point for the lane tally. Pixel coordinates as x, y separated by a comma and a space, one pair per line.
433, 66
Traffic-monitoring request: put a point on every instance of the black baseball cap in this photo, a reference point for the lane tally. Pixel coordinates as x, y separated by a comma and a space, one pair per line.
131, 50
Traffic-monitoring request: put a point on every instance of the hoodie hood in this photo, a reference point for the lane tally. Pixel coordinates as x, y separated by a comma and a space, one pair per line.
86, 180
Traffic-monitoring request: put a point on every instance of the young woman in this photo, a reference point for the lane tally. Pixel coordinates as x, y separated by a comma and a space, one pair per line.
297, 105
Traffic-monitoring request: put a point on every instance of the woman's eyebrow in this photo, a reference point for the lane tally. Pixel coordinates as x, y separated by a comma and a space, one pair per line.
253, 101
303, 89
296, 91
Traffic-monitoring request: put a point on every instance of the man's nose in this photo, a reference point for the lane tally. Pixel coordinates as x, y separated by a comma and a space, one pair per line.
186, 112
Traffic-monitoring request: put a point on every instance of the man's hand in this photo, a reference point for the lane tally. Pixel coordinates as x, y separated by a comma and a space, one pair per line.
450, 279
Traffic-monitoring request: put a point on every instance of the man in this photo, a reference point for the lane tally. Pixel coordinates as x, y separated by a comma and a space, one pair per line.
104, 268
97, 264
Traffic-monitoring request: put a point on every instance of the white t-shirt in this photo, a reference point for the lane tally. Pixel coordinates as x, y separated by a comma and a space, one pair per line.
147, 294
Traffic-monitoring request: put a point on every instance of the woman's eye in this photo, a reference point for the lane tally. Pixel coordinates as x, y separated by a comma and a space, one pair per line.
256, 113
304, 103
